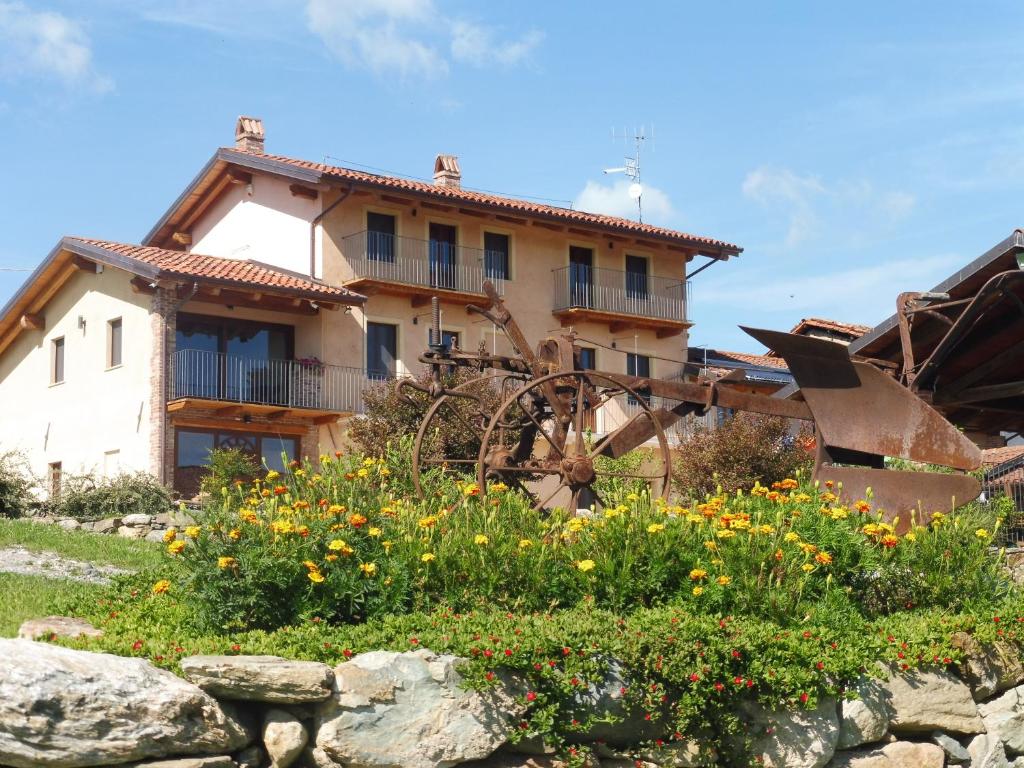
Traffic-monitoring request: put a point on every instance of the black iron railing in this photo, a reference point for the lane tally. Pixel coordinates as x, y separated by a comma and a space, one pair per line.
626, 293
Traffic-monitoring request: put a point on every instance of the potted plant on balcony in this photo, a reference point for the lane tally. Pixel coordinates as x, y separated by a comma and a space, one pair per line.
307, 380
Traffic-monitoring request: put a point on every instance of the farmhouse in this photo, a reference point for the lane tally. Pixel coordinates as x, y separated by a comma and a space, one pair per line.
273, 290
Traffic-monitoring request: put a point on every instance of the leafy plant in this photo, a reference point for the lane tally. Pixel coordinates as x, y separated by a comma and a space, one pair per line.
16, 484
744, 449
227, 467
84, 498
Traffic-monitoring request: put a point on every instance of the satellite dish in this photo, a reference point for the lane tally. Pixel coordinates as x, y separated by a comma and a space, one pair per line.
635, 190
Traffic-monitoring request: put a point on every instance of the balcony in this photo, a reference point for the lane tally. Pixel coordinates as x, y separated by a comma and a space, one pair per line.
622, 299
239, 385
383, 263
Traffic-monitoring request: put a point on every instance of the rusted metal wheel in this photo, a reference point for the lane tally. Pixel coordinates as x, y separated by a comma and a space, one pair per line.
537, 440
461, 405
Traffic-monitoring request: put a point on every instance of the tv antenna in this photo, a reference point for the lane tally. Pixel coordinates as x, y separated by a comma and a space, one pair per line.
632, 167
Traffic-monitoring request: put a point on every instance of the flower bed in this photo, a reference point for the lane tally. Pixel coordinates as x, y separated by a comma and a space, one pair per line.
779, 596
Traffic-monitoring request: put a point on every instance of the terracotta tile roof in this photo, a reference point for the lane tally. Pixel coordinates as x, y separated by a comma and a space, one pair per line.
990, 457
763, 361
850, 329
220, 270
508, 204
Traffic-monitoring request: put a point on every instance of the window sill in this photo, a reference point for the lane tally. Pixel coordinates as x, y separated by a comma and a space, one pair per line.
113, 367
56, 383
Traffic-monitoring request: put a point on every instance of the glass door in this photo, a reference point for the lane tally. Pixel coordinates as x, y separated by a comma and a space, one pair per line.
581, 277
442, 256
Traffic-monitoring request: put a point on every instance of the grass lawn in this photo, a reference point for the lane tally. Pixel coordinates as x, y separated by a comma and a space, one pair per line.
102, 549
30, 597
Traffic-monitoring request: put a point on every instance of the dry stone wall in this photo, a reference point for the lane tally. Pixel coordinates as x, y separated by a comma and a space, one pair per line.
64, 708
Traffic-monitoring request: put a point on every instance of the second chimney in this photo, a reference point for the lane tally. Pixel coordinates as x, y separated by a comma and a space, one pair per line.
249, 134
447, 172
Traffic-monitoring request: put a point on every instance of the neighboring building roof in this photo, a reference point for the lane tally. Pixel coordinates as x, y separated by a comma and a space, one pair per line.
318, 173
854, 330
190, 266
153, 265
991, 457
760, 368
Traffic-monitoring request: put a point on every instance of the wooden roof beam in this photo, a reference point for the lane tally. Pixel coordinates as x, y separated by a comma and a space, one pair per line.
548, 225
300, 190
32, 321
238, 176
396, 200
182, 238
510, 219
435, 206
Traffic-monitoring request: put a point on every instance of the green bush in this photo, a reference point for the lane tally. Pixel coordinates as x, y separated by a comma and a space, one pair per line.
16, 484
744, 449
84, 498
227, 467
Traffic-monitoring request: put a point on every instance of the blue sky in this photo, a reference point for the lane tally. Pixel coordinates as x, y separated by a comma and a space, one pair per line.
853, 150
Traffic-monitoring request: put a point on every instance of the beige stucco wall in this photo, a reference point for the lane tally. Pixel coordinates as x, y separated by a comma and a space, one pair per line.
271, 225
98, 419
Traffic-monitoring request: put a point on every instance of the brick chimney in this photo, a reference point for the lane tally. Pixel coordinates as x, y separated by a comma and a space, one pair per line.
249, 134
447, 172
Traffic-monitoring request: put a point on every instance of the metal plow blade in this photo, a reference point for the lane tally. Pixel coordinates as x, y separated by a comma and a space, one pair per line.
862, 416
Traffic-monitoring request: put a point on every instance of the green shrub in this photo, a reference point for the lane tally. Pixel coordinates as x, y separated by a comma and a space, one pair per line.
227, 467
744, 449
83, 497
16, 484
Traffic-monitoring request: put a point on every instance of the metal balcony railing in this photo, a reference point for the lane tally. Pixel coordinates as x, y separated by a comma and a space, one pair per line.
257, 381
625, 293
426, 263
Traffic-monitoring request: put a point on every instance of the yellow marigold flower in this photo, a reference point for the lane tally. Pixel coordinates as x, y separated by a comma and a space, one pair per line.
525, 543
175, 547
386, 545
471, 489
806, 567
384, 471
273, 475
427, 522
193, 531
981, 533
839, 513
161, 586
356, 519
577, 524
632, 497
862, 506
282, 526
724, 581
655, 528
335, 509
791, 536
698, 591
828, 497
368, 568
801, 498
369, 462
765, 529
302, 530
808, 549
315, 576
725, 533
226, 562
426, 557
710, 545
694, 519
612, 512
363, 472
310, 565
248, 516
698, 573
740, 524
889, 540
823, 558
169, 535
330, 558
585, 565
234, 534
299, 473
481, 540
373, 532
910, 536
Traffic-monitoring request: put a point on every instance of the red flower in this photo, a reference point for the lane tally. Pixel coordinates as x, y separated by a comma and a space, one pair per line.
694, 677
820, 665
236, 647
719, 687
803, 698
566, 651
414, 640
136, 645
508, 651
489, 676
531, 696
347, 653
488, 652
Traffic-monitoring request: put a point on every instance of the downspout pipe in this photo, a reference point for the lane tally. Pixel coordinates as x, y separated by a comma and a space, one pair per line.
315, 222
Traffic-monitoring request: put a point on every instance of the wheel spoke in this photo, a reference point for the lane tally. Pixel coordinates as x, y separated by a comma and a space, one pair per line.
578, 423
541, 504
627, 475
540, 428
472, 428
530, 470
448, 461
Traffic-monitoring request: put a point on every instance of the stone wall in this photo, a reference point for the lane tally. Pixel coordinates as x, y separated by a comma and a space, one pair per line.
134, 526
66, 708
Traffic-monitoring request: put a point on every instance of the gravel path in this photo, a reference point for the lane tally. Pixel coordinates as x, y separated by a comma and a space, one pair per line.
50, 564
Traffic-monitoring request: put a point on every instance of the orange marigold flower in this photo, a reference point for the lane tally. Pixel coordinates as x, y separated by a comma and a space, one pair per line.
889, 541
356, 520
823, 558
280, 490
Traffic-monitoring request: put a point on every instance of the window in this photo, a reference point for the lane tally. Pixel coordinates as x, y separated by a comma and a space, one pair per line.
496, 249
380, 237
443, 255
114, 343
581, 276
57, 361
54, 473
638, 365
588, 358
193, 447
636, 277
381, 350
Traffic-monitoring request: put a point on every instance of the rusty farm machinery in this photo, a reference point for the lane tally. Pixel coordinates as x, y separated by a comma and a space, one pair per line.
533, 432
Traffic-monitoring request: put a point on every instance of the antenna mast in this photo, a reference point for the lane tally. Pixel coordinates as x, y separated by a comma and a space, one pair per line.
632, 164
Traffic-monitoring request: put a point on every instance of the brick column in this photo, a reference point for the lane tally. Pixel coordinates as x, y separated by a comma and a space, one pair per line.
162, 317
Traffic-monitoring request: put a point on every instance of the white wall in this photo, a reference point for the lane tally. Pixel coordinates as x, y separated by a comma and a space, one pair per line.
271, 226
98, 418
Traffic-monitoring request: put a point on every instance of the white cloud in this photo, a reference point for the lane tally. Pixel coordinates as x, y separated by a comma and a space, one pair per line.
859, 294
614, 200
410, 38
807, 203
47, 44
477, 45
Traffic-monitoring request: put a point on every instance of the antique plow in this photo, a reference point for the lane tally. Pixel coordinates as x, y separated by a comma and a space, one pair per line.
527, 417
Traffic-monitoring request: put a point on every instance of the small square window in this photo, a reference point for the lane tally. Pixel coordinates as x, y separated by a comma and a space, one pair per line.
57, 361
114, 337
